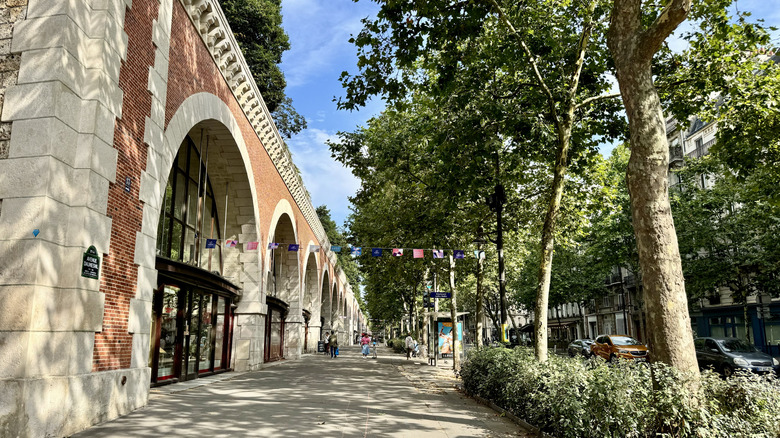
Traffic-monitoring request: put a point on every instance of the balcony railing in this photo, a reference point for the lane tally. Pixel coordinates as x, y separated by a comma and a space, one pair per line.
675, 153
670, 125
702, 150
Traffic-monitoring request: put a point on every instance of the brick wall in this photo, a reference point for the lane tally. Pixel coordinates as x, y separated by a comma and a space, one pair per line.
192, 70
113, 346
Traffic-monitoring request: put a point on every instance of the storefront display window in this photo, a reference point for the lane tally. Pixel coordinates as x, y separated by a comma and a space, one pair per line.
191, 313
168, 332
219, 333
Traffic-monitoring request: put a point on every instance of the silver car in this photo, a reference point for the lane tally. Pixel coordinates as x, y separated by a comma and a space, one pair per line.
580, 347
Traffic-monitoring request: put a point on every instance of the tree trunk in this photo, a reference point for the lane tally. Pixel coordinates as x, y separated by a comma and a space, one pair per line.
548, 242
633, 47
479, 311
454, 316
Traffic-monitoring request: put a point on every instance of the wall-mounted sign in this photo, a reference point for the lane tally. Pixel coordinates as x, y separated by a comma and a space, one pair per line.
128, 183
90, 267
441, 294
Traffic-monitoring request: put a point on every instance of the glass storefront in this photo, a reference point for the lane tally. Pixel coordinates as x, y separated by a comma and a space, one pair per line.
274, 329
727, 326
191, 313
187, 334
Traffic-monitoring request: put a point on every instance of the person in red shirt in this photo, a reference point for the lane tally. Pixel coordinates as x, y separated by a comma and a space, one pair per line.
364, 341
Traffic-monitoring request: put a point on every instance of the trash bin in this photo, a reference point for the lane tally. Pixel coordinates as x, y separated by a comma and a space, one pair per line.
320, 346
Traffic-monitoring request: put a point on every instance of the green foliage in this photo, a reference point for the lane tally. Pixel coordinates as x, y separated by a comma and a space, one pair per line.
257, 26
398, 345
728, 231
336, 237
571, 398
730, 74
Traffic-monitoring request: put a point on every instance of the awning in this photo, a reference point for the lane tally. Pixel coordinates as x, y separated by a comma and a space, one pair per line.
528, 328
562, 325
179, 272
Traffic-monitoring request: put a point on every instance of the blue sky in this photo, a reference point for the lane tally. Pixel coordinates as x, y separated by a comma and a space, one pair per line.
319, 30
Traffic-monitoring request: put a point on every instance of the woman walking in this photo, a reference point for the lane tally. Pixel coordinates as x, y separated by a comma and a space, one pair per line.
364, 341
334, 345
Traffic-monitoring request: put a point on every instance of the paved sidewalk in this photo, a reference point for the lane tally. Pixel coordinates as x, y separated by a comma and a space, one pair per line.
318, 396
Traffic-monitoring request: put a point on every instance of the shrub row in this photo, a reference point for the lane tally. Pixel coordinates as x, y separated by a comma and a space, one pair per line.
575, 398
398, 345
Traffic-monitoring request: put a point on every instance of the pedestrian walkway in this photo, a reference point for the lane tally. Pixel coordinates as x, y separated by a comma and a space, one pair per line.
317, 396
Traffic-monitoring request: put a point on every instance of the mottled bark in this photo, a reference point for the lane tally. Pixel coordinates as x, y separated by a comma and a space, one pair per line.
633, 47
548, 243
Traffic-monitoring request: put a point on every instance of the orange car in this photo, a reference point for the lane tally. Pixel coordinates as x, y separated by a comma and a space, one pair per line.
611, 347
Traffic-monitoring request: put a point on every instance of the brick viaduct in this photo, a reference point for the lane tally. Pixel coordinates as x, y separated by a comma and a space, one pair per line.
102, 101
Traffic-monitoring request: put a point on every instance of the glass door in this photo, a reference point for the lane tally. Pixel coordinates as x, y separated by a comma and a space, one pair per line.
219, 333
206, 337
164, 356
191, 335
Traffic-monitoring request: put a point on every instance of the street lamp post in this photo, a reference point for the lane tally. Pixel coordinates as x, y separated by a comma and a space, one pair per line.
496, 202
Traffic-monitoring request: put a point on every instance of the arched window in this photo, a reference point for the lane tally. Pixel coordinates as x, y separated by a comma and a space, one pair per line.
186, 210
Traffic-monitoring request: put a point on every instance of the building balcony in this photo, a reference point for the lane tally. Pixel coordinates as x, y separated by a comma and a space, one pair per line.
702, 150
675, 154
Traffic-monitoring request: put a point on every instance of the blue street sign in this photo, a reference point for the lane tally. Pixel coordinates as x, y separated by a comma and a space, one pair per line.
441, 294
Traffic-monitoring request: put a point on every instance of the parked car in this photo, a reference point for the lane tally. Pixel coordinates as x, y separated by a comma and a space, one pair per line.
580, 347
726, 355
611, 347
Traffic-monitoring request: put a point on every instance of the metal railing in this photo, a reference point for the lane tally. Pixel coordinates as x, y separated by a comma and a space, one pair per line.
701, 150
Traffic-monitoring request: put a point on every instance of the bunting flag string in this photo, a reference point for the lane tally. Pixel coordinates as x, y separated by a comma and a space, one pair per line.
355, 251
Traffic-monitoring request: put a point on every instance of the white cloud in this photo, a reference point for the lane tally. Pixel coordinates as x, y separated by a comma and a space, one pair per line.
319, 32
327, 180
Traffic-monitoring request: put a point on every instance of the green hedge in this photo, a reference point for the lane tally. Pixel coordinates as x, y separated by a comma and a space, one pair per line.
575, 398
397, 344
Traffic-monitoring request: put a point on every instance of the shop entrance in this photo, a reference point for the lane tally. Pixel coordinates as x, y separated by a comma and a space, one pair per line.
274, 329
191, 327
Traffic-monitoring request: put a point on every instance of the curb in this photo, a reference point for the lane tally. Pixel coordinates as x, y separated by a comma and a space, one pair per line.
517, 420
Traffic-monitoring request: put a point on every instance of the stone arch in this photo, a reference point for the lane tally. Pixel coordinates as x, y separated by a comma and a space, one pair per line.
334, 308
284, 282
324, 311
209, 123
311, 299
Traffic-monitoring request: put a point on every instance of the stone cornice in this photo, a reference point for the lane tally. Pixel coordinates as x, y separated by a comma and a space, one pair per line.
208, 18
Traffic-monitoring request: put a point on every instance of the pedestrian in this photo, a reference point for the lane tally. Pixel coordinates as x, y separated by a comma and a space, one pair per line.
409, 343
326, 339
334, 345
364, 341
